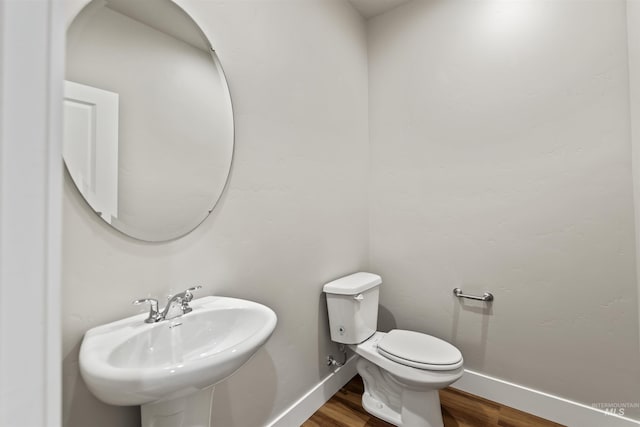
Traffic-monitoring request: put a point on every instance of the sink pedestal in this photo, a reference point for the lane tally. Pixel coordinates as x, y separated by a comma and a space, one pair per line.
193, 410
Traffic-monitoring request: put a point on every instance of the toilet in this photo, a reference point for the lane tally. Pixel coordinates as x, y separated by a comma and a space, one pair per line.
402, 370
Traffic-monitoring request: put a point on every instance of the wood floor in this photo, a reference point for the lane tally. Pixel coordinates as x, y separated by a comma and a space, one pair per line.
459, 409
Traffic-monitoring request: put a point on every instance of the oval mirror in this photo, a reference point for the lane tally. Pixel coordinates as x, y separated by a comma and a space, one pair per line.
148, 127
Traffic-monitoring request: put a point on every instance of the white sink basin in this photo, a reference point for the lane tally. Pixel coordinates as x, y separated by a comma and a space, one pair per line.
129, 362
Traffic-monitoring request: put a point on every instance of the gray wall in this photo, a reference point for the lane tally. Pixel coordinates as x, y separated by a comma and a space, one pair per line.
291, 219
501, 161
633, 42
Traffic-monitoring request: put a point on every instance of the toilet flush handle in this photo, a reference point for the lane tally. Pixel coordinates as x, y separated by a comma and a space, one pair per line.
358, 297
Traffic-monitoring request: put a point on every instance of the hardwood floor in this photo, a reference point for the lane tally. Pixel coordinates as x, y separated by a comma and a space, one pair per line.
459, 409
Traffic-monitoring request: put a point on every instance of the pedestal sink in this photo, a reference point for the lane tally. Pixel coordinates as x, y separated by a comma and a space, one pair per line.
170, 367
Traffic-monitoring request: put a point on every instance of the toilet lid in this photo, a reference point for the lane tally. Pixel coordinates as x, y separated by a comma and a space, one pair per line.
419, 350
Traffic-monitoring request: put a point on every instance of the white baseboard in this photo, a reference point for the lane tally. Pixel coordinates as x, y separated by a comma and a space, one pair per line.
544, 405
304, 407
535, 402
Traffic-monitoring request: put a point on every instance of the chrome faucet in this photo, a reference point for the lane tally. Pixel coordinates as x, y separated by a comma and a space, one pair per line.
154, 316
177, 305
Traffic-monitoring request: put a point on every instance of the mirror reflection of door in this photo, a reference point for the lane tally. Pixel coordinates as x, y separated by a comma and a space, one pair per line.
90, 146
169, 161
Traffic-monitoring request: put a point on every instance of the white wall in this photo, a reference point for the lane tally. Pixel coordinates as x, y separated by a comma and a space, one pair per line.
291, 219
501, 162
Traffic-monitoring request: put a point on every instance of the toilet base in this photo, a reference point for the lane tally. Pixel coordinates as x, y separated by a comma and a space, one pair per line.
378, 409
386, 398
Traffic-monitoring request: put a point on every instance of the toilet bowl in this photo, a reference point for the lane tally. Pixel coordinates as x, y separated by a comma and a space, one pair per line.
402, 370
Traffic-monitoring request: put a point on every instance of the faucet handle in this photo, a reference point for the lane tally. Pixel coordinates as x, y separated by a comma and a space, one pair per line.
186, 299
152, 301
188, 295
153, 308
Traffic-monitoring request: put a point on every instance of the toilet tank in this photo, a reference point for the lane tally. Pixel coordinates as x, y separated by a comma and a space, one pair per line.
352, 303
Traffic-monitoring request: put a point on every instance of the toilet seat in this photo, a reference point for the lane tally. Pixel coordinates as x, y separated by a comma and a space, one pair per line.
419, 351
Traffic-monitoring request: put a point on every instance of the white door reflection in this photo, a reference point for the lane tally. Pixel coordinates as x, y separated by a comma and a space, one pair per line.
90, 147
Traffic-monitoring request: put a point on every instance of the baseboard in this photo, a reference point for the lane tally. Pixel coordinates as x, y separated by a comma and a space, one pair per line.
544, 405
304, 407
538, 403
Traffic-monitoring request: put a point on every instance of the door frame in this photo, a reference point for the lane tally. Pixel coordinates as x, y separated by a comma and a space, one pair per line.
31, 76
